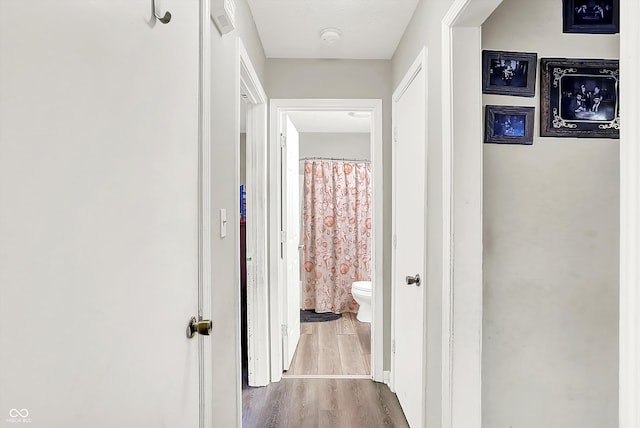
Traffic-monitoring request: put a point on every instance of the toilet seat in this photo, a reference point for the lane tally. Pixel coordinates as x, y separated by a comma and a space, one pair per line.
361, 292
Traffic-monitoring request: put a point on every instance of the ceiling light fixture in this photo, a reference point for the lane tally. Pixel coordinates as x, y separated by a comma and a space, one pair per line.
330, 35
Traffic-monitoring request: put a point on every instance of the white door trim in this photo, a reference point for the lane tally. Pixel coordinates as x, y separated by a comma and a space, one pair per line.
629, 386
277, 107
204, 215
256, 231
462, 187
419, 64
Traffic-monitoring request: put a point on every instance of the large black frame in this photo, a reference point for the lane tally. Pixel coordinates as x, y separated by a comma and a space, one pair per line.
509, 73
579, 98
591, 16
509, 124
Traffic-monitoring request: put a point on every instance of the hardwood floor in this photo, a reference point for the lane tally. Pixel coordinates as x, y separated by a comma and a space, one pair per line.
321, 403
333, 348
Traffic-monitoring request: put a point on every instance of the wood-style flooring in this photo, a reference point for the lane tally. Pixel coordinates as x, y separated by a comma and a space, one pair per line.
321, 403
338, 348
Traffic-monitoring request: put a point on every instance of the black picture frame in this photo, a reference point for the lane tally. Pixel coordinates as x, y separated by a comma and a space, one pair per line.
591, 16
579, 98
509, 73
509, 124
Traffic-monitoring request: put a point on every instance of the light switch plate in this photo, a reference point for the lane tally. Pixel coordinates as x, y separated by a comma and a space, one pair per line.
223, 222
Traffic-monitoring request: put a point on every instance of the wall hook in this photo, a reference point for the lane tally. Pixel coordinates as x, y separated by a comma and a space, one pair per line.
164, 19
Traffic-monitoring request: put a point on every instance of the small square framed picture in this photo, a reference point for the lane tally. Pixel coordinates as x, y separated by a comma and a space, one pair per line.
509, 73
509, 124
591, 16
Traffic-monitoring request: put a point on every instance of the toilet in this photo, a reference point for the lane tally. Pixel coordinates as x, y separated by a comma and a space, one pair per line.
361, 292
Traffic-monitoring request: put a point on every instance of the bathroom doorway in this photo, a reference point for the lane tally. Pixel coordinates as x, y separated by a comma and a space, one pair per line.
342, 134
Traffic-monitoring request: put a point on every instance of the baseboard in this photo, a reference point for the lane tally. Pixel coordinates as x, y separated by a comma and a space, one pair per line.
386, 377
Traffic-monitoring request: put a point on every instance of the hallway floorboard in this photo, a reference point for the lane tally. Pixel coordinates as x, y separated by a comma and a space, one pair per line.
321, 403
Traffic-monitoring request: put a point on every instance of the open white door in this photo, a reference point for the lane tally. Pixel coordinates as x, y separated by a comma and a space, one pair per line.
409, 221
291, 239
99, 220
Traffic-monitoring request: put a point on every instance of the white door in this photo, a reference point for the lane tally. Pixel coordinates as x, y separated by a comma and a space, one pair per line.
409, 220
291, 228
99, 214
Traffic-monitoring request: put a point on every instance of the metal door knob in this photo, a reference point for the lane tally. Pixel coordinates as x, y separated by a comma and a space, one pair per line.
203, 327
413, 280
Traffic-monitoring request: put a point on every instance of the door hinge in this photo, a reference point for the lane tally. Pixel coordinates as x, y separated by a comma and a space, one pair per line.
393, 346
285, 331
283, 140
395, 133
283, 236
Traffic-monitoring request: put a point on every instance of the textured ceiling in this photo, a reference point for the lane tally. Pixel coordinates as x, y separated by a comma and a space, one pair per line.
371, 29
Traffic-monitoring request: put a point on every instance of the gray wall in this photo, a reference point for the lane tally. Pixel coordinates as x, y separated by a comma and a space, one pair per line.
424, 30
550, 330
331, 78
225, 158
350, 145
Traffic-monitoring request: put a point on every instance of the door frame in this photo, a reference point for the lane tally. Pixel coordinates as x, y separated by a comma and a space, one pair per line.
419, 64
277, 107
256, 232
629, 375
205, 361
462, 245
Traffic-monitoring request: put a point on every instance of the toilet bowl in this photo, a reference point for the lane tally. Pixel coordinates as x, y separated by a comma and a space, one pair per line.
361, 292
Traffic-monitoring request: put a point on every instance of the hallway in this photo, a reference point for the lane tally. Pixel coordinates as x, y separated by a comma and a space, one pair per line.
335, 403
340, 348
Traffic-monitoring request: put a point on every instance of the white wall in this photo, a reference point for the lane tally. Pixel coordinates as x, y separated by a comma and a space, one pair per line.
550, 330
425, 30
225, 158
323, 78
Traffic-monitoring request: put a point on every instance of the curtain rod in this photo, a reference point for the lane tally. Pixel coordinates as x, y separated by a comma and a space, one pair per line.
334, 159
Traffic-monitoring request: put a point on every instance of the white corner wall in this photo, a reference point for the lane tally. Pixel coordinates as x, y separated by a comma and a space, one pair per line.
551, 252
425, 30
225, 158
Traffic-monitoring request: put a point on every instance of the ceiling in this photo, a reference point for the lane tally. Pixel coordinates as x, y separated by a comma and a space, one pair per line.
330, 121
370, 29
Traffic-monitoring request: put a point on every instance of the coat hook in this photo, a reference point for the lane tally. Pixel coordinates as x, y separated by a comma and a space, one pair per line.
164, 19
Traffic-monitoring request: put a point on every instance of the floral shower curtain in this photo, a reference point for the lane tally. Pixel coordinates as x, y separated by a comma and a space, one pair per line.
336, 234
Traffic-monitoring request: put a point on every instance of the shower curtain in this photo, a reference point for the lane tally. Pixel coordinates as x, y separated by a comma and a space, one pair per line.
336, 236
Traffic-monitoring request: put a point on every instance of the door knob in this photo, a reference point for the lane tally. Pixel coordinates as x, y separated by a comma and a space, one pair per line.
203, 327
413, 280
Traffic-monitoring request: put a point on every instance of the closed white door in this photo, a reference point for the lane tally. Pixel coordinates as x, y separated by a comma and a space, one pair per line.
291, 228
99, 214
409, 221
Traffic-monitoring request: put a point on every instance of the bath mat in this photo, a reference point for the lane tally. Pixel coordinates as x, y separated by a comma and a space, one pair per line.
312, 316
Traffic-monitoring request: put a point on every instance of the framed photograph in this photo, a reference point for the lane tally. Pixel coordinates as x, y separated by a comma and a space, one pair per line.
508, 124
579, 98
509, 73
591, 16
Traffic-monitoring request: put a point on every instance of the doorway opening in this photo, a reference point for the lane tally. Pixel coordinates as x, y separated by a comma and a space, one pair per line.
252, 173
340, 149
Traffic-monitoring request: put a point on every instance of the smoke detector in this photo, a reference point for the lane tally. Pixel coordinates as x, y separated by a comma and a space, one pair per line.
330, 35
